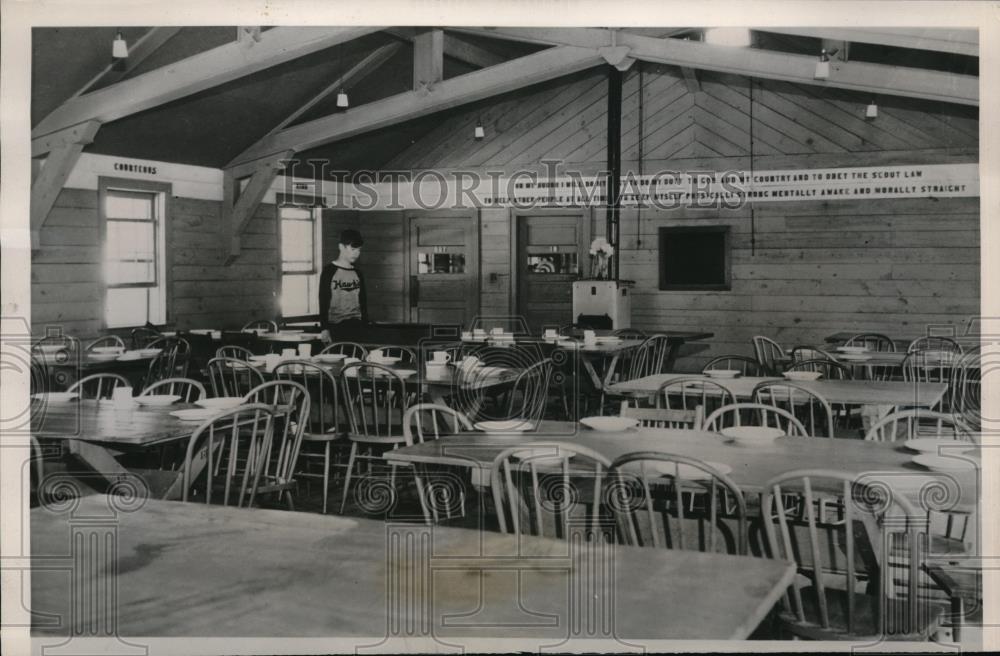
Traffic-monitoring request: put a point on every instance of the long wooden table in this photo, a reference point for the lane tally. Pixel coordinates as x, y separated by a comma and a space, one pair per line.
848, 392
198, 571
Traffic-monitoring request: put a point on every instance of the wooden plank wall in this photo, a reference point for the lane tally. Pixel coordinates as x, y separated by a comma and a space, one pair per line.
382, 264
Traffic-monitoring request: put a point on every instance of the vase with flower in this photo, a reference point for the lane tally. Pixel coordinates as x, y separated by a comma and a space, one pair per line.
601, 253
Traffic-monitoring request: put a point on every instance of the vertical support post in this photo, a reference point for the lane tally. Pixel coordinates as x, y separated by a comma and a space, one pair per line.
613, 197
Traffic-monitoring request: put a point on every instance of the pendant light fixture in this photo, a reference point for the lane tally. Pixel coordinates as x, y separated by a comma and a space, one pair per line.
342, 101
480, 132
119, 48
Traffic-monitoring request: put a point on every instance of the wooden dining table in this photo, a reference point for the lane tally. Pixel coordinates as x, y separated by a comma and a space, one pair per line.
162, 568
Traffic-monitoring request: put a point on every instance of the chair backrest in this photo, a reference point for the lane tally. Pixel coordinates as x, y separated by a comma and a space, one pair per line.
231, 377
932, 367
665, 417
60, 342
324, 395
429, 421
831, 370
349, 349
647, 359
806, 512
914, 423
261, 324
143, 337
376, 400
677, 502
873, 342
802, 353
966, 388
754, 414
98, 386
107, 341
172, 360
188, 389
743, 364
290, 403
809, 407
225, 451
934, 343
235, 352
537, 487
768, 352
405, 354
529, 393
689, 392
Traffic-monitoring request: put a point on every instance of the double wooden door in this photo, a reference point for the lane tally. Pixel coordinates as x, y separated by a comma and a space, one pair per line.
443, 252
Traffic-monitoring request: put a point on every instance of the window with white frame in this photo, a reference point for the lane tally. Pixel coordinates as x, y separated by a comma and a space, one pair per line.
134, 237
300, 241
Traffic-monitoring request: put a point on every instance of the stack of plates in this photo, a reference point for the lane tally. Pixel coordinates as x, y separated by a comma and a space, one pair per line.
509, 426
610, 424
753, 435
157, 400
722, 373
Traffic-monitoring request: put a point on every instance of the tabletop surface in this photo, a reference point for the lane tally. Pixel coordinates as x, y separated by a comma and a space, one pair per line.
194, 570
100, 421
854, 392
752, 466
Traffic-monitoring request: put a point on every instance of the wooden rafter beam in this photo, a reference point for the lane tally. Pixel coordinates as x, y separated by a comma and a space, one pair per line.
236, 215
63, 151
455, 48
691, 79
955, 41
197, 73
146, 45
752, 62
428, 58
509, 76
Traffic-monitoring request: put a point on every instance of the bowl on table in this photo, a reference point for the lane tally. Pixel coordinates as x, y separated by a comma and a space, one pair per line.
150, 352
220, 402
722, 373
504, 426
195, 414
610, 424
384, 360
55, 397
157, 400
946, 464
753, 435
803, 375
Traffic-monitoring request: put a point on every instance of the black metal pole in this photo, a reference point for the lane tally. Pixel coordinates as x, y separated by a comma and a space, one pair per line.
613, 198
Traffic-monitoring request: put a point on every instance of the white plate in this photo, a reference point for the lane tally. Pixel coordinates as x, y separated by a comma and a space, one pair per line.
937, 445
722, 373
220, 402
852, 349
958, 464
102, 357
56, 397
201, 331
131, 355
610, 424
753, 434
107, 350
854, 357
510, 426
802, 375
329, 358
150, 352
157, 399
387, 361
685, 471
607, 339
195, 414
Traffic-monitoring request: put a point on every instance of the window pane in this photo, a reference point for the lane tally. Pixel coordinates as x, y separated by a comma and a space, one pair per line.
130, 255
126, 307
428, 262
297, 245
129, 205
552, 263
295, 295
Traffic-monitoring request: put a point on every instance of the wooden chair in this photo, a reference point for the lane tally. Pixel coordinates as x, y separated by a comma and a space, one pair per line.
324, 425
538, 486
830, 369
743, 364
98, 386
629, 333
810, 408
803, 353
172, 361
932, 367
754, 414
850, 542
769, 353
966, 388
934, 343
376, 399
914, 423
406, 355
188, 389
660, 498
647, 359
664, 417
234, 352
105, 342
873, 342
689, 392
261, 324
231, 377
437, 493
527, 397
348, 349
142, 337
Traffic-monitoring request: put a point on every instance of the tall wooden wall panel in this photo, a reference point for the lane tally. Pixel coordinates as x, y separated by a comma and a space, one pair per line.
382, 264
495, 266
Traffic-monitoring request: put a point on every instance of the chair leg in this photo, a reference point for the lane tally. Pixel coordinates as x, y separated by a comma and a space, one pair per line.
347, 477
326, 474
422, 496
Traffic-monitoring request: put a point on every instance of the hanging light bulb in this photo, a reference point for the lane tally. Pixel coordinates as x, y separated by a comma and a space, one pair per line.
480, 133
342, 99
823, 65
872, 110
119, 48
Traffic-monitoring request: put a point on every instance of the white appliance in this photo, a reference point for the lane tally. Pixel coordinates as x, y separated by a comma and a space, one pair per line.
593, 300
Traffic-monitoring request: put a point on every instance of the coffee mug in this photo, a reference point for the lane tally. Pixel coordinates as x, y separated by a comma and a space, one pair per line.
305, 350
550, 333
436, 370
497, 331
288, 353
441, 357
121, 397
589, 337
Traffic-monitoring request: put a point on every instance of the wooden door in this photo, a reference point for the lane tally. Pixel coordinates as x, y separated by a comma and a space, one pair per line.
551, 253
443, 284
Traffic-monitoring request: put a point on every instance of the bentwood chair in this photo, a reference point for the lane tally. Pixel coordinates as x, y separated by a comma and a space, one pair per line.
347, 349
809, 407
261, 324
754, 414
873, 342
769, 353
690, 392
98, 386
235, 352
143, 337
231, 377
324, 426
932, 367
438, 491
171, 362
966, 388
406, 355
743, 364
677, 502
829, 369
538, 490
376, 400
934, 343
188, 389
108, 341
915, 423
647, 359
859, 552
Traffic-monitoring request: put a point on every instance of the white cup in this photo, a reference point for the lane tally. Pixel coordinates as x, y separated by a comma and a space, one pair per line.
216, 334
436, 370
497, 331
589, 337
478, 332
550, 333
441, 357
121, 397
288, 353
466, 335
305, 350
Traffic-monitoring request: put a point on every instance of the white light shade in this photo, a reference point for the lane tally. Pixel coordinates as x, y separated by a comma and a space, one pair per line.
871, 111
342, 99
480, 132
737, 37
822, 70
119, 49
